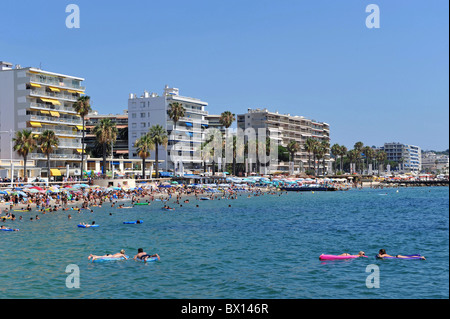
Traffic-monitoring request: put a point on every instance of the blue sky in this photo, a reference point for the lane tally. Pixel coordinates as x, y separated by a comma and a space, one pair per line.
311, 58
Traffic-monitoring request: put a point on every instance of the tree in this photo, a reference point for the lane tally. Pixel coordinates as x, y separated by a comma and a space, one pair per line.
335, 151
106, 133
227, 118
48, 143
83, 107
176, 111
358, 147
293, 147
342, 153
311, 146
24, 144
158, 136
324, 147
144, 145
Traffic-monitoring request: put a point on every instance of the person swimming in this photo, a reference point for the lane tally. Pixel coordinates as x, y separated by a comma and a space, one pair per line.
116, 255
382, 253
360, 254
142, 255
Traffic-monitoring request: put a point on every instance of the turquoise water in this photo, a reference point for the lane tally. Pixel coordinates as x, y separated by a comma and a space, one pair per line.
260, 247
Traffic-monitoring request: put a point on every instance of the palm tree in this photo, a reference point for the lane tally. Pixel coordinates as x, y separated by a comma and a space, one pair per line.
293, 147
158, 136
176, 111
48, 143
358, 147
342, 153
82, 106
335, 150
24, 143
312, 146
143, 145
227, 118
106, 133
324, 148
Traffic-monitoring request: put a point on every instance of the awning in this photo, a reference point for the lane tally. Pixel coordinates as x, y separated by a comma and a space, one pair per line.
54, 102
35, 124
54, 113
54, 89
79, 150
35, 85
55, 172
44, 112
80, 127
73, 91
188, 124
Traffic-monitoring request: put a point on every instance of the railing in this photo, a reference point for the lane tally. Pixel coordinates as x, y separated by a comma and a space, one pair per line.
55, 119
56, 82
55, 156
61, 108
58, 131
57, 95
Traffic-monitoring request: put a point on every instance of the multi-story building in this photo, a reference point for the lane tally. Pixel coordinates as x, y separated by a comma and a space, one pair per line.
286, 128
38, 100
120, 146
408, 157
185, 139
434, 163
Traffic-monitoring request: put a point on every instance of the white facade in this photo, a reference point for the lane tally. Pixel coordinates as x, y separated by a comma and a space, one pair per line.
408, 156
433, 163
184, 141
288, 128
39, 100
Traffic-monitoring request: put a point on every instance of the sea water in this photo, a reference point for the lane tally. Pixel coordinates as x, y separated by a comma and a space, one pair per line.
261, 247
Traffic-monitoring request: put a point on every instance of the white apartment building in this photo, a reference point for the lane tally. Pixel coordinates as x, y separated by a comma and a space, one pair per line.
408, 156
182, 153
287, 128
434, 163
38, 100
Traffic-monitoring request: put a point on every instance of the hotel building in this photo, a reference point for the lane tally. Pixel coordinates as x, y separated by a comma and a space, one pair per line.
288, 128
409, 157
182, 153
38, 100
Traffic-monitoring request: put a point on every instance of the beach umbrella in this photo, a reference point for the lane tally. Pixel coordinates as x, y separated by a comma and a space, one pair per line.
37, 187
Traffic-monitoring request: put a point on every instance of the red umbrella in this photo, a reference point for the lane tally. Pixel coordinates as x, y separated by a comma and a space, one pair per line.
37, 187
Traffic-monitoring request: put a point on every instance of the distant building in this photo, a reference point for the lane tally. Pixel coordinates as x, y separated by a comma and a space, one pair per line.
409, 157
433, 163
289, 128
120, 146
185, 139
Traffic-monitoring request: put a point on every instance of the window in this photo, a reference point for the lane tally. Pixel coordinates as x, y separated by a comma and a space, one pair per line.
133, 115
133, 125
142, 125
142, 114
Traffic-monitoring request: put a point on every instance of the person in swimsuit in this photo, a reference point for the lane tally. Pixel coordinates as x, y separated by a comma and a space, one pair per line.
382, 254
142, 255
360, 254
117, 255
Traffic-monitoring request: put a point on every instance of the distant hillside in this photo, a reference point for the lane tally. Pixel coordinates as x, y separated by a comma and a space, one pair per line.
446, 152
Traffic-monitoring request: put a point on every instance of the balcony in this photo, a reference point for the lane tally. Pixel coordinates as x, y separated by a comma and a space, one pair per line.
55, 120
60, 108
54, 95
53, 157
58, 131
55, 81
